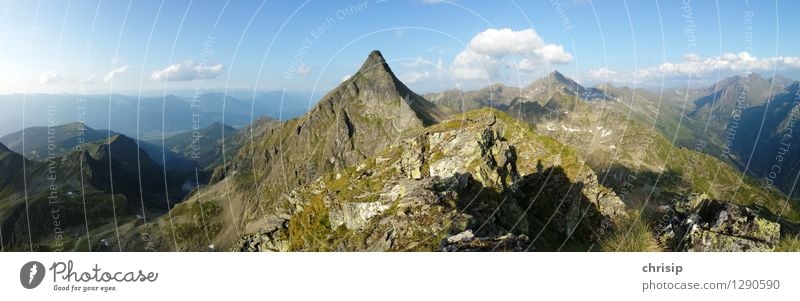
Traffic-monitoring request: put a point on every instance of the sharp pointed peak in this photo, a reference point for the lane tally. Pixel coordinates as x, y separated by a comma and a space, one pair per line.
559, 77
376, 55
375, 62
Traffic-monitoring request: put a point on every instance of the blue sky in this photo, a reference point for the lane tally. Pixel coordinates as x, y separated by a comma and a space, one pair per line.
154, 46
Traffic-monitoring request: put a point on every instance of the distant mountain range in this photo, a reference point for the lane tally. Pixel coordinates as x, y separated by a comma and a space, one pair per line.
722, 120
147, 116
374, 166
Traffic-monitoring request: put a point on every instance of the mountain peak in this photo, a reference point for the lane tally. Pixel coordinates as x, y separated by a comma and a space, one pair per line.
555, 77
119, 141
555, 73
376, 56
560, 77
376, 85
375, 65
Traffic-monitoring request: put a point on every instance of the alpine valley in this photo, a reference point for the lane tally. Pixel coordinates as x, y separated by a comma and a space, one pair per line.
374, 166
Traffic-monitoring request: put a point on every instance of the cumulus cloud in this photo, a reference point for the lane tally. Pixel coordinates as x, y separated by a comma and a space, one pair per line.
50, 76
695, 66
415, 76
115, 72
187, 71
494, 51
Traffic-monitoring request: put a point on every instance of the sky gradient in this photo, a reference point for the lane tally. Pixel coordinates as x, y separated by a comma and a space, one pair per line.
153, 46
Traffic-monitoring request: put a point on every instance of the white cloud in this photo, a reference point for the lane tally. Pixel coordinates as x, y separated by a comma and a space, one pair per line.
187, 71
436, 1
303, 70
695, 66
346, 77
420, 62
494, 51
50, 76
414, 76
601, 73
115, 72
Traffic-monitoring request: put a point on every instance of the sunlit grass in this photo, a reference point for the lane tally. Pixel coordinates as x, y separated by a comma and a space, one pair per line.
633, 234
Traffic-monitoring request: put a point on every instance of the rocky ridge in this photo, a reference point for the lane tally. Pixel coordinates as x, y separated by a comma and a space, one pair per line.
482, 172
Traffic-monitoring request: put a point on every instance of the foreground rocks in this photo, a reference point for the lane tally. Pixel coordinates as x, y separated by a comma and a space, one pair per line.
467, 242
480, 182
701, 224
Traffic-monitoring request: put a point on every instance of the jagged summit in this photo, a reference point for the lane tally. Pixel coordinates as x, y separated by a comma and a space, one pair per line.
557, 75
555, 82
561, 78
375, 60
381, 93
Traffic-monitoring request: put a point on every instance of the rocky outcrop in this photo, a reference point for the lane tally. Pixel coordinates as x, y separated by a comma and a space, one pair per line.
701, 224
354, 215
484, 175
467, 242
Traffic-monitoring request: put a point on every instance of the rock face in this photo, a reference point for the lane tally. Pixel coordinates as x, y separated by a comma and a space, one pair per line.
361, 116
705, 225
483, 174
467, 242
354, 215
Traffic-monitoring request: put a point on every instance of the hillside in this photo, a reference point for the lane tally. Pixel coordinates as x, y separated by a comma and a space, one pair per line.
41, 142
95, 190
624, 141
31, 191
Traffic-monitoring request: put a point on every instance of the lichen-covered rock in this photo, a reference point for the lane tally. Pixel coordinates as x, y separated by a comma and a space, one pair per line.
261, 242
701, 224
700, 240
354, 215
467, 242
413, 157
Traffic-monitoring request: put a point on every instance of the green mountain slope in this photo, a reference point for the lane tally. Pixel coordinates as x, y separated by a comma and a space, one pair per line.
80, 200
41, 142
622, 140
353, 121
